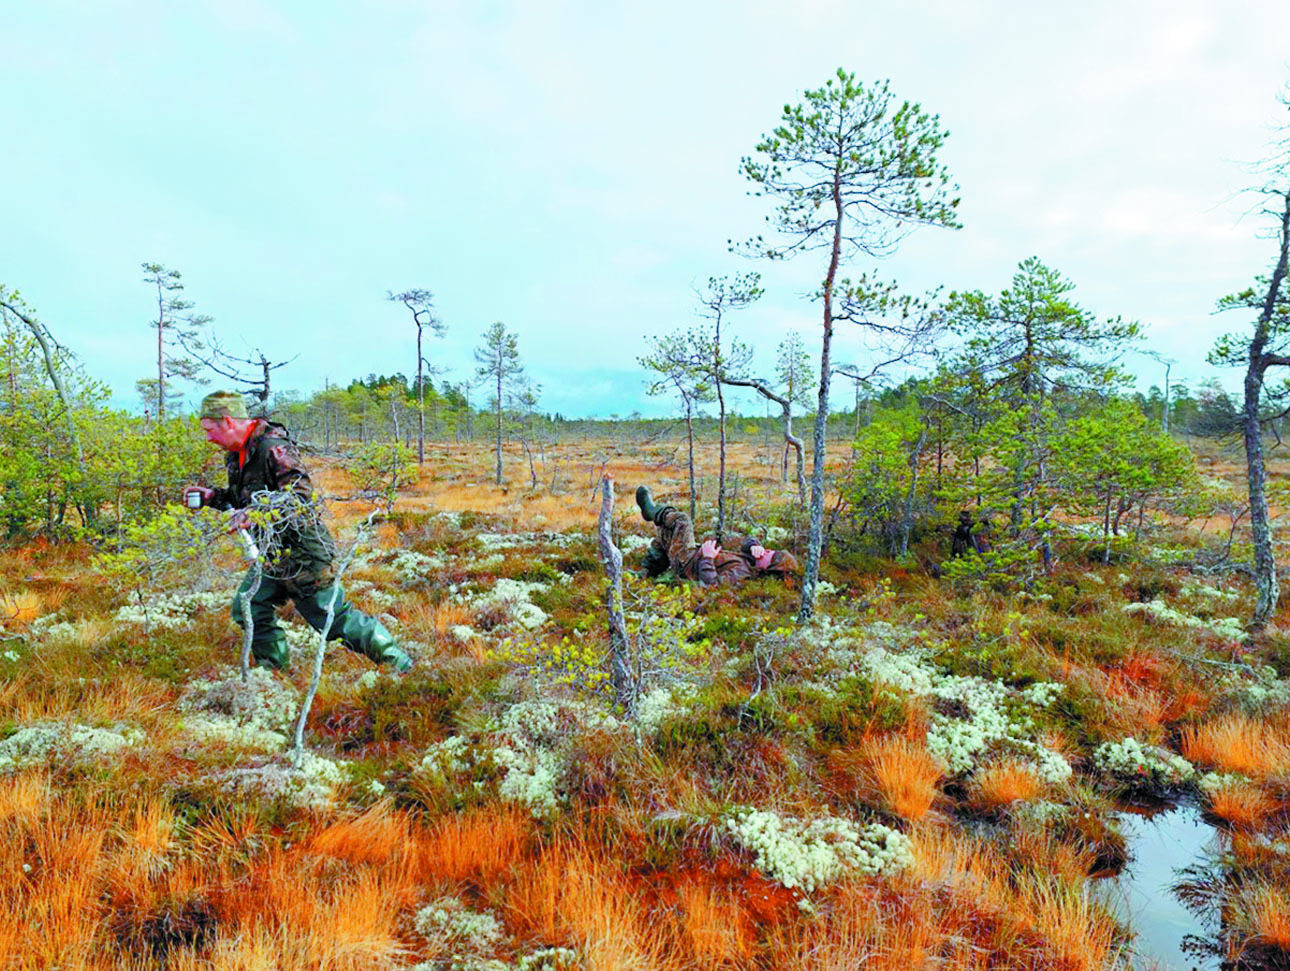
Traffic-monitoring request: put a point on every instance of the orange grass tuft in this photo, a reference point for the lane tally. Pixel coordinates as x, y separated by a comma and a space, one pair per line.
23, 607
999, 785
963, 862
480, 846
1081, 933
1137, 704
376, 836
1237, 743
63, 896
148, 840
714, 927
448, 615
302, 905
1046, 852
868, 927
572, 894
1243, 805
1050, 906
23, 798
904, 773
1266, 912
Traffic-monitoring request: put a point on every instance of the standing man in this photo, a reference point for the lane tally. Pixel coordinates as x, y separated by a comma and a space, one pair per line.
301, 568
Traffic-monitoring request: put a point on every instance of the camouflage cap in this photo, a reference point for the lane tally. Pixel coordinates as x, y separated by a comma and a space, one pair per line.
224, 404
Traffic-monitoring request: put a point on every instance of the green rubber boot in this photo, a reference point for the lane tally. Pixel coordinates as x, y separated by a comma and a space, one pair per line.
383, 650
369, 636
271, 651
646, 502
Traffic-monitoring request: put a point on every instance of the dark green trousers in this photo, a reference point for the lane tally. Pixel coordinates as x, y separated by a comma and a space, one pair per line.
358, 631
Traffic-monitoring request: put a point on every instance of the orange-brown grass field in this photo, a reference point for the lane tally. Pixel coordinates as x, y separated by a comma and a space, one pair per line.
929, 774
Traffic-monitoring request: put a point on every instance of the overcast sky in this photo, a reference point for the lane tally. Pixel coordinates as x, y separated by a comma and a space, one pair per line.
572, 168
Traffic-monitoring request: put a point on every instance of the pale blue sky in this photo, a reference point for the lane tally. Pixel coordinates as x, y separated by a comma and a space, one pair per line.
571, 168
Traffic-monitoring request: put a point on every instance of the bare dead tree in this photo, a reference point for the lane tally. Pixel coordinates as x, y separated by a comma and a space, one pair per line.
363, 529
212, 355
790, 440
1266, 347
49, 348
619, 646
673, 357
715, 361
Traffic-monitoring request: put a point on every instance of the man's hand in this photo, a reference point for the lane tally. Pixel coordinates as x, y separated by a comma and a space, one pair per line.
757, 551
207, 493
709, 549
238, 519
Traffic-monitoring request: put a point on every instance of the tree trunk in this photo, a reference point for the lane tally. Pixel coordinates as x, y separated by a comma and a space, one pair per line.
499, 427
721, 417
421, 403
783, 461
528, 452
795, 443
811, 574
620, 670
161, 358
689, 434
1265, 566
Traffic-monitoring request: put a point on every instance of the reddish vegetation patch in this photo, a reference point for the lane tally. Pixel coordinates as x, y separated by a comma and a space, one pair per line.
352, 729
1143, 668
763, 901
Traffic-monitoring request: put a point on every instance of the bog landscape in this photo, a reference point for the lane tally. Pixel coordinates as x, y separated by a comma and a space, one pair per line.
1019, 697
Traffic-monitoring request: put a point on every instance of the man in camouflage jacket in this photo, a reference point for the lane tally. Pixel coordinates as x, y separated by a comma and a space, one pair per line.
299, 564
674, 547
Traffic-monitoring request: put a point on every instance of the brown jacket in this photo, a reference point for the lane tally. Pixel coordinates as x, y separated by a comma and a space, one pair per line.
675, 540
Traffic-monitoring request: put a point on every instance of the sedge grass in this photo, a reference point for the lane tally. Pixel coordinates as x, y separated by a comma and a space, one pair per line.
1238, 743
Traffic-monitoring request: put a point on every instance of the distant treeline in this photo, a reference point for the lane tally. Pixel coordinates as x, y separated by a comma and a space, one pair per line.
383, 407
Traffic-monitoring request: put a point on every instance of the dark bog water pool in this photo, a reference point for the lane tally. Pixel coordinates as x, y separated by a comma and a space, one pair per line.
1161, 844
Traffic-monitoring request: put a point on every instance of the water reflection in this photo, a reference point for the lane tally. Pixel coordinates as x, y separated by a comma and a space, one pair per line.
1162, 846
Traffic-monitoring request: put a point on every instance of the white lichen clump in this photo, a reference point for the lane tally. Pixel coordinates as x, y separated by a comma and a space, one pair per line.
804, 855
49, 629
1229, 628
174, 611
254, 714
984, 715
633, 543
526, 752
449, 925
658, 706
308, 782
411, 567
1132, 763
68, 743
514, 596
1211, 782
1255, 688
445, 760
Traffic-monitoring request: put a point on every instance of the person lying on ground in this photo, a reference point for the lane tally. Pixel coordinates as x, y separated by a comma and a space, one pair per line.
674, 548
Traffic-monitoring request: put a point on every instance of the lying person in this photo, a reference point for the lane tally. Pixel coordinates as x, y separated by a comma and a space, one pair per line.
708, 564
674, 547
